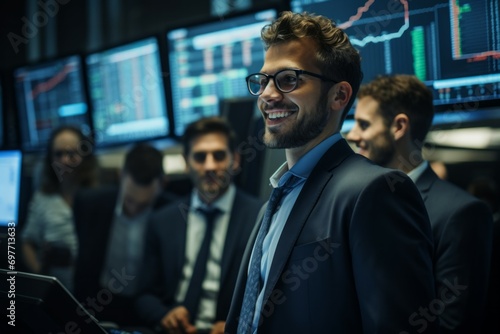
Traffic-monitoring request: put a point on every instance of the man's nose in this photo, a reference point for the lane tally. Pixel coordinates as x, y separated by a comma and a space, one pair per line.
210, 163
271, 92
353, 135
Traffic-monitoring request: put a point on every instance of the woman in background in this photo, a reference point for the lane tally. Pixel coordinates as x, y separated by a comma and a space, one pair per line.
49, 239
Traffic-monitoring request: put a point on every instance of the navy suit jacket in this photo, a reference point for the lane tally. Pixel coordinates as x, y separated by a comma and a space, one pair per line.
165, 254
355, 255
462, 228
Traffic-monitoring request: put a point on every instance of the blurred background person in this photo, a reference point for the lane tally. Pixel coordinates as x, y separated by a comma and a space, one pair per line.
392, 118
49, 240
111, 223
194, 246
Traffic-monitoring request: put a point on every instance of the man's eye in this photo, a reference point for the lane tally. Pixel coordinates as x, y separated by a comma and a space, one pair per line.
263, 82
363, 125
289, 79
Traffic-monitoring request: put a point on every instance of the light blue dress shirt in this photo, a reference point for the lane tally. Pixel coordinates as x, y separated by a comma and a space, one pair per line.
294, 178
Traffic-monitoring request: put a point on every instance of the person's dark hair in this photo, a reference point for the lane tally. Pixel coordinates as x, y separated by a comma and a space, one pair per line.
405, 94
336, 57
206, 126
86, 171
144, 164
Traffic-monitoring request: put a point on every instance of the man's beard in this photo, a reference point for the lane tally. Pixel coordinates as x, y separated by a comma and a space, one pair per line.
209, 191
300, 133
383, 154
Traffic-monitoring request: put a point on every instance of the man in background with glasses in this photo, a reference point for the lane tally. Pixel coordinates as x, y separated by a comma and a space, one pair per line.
194, 246
345, 246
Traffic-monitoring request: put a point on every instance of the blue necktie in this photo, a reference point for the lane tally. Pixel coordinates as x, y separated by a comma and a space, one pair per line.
195, 290
254, 280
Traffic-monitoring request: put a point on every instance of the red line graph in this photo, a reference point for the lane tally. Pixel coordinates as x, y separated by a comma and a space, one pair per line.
45, 86
484, 55
358, 15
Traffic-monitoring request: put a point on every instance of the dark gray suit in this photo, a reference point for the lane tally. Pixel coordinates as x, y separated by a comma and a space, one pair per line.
165, 253
462, 229
355, 255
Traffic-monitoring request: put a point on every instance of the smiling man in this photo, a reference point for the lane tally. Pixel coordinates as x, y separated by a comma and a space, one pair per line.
341, 248
393, 116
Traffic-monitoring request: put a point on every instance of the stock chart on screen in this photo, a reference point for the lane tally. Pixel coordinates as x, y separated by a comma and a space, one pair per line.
453, 46
127, 93
50, 94
209, 63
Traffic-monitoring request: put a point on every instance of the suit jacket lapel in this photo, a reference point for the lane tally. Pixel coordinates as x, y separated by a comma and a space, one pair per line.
305, 203
179, 230
231, 238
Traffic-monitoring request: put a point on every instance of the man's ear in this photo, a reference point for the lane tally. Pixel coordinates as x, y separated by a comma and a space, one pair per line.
236, 160
341, 93
400, 126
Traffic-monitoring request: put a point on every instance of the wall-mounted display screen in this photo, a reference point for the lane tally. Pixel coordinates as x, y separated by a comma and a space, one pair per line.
50, 94
209, 63
453, 46
127, 93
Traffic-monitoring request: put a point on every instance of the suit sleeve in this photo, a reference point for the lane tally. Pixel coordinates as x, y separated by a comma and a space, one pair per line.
391, 247
150, 300
462, 267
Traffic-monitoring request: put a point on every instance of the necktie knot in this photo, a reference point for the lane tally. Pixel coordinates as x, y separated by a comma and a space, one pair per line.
210, 214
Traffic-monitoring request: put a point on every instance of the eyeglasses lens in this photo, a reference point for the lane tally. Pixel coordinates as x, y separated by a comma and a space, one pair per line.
218, 156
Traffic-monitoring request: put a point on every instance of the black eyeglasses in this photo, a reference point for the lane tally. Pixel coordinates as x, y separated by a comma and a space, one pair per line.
285, 80
200, 156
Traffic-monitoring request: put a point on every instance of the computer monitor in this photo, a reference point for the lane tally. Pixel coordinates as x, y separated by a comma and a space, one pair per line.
453, 47
10, 178
50, 94
41, 304
127, 93
209, 63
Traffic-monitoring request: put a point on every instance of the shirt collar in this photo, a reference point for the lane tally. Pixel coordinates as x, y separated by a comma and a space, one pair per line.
303, 168
119, 209
223, 203
418, 171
